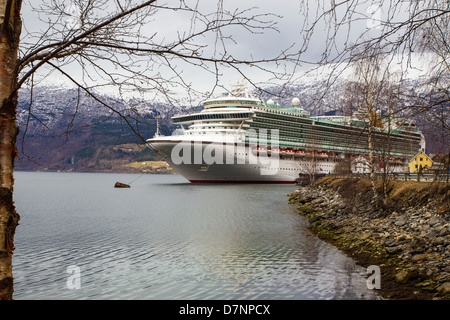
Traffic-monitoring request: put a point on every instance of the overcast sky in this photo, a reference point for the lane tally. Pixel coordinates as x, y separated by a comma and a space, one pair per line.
266, 45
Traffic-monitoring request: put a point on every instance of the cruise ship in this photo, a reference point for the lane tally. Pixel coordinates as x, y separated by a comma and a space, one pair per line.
238, 138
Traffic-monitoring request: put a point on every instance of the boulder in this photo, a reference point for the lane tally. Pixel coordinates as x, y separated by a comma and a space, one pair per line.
419, 257
121, 185
444, 288
402, 276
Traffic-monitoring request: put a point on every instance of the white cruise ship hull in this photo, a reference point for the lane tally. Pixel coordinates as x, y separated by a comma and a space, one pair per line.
233, 164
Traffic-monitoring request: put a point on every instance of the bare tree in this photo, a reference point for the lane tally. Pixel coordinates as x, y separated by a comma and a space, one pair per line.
312, 160
389, 27
119, 44
398, 30
393, 32
368, 73
373, 98
393, 107
9, 43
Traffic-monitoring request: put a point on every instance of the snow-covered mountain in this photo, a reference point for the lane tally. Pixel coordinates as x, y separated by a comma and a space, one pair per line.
61, 122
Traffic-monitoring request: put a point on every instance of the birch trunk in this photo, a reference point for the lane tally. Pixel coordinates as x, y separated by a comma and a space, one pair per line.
372, 163
387, 158
10, 25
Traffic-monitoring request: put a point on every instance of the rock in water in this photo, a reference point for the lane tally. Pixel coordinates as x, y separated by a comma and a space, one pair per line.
121, 185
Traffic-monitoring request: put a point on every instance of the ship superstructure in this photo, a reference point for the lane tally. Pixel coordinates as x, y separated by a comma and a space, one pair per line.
240, 138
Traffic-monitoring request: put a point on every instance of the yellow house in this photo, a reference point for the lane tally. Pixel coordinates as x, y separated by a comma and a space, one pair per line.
420, 161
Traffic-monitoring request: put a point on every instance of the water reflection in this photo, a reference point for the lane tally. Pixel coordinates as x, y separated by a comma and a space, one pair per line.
166, 239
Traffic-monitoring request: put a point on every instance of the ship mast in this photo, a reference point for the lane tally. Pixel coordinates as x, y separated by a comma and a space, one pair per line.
239, 89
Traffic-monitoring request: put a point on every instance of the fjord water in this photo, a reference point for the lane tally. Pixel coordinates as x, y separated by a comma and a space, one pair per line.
165, 238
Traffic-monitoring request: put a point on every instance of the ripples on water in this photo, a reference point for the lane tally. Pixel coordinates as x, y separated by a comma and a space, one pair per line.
167, 239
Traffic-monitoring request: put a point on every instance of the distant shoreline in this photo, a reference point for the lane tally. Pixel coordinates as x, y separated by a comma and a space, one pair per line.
142, 167
114, 171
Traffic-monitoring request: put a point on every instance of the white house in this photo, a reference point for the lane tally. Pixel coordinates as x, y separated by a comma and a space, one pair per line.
360, 164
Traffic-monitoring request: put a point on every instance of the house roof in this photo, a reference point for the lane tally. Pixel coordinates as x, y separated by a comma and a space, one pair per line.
418, 153
360, 156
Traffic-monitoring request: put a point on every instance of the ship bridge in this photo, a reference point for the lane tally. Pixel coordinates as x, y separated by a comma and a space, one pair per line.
212, 116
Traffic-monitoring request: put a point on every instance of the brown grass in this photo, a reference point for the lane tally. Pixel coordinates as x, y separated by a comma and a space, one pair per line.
400, 192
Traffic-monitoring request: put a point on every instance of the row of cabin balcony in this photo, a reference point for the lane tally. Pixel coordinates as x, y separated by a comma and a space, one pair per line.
269, 106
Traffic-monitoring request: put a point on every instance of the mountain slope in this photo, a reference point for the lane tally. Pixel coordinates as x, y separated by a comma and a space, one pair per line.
65, 129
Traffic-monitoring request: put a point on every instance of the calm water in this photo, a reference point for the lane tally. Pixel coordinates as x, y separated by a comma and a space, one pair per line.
165, 238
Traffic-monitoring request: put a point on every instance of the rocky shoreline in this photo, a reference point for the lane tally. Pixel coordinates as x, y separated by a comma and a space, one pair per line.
408, 237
